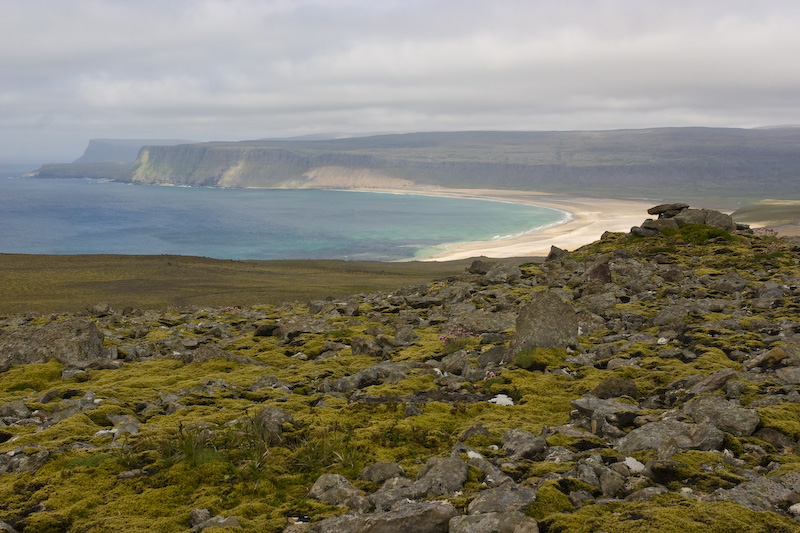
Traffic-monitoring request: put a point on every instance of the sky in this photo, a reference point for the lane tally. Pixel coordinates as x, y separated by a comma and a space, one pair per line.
73, 70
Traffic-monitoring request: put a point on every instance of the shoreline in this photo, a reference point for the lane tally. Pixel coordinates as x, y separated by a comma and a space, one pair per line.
586, 220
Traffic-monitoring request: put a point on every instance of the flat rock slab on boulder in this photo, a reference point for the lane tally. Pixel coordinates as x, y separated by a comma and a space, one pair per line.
73, 342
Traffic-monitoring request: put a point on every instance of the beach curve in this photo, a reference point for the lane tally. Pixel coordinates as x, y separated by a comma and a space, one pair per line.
587, 220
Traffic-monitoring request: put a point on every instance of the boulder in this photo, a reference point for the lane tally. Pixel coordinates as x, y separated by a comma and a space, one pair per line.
217, 522
546, 321
481, 267
440, 477
73, 342
270, 420
419, 517
16, 409
760, 494
336, 490
614, 411
712, 382
505, 522
556, 253
501, 273
507, 497
365, 346
707, 217
523, 444
722, 414
660, 225
381, 471
673, 434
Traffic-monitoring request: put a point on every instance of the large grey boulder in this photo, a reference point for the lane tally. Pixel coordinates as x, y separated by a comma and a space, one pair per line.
519, 443
381, 471
270, 420
419, 517
73, 342
672, 433
760, 494
440, 477
337, 490
707, 217
510, 522
507, 497
613, 410
722, 414
546, 321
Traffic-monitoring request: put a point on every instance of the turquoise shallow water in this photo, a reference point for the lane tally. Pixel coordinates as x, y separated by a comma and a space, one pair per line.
91, 217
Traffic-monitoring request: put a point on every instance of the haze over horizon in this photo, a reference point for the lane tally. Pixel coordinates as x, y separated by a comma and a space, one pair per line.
246, 69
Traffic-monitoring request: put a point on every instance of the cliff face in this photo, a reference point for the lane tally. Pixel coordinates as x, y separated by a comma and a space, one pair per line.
121, 150
725, 162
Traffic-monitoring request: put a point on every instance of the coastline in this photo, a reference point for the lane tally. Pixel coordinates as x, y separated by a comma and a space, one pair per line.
586, 220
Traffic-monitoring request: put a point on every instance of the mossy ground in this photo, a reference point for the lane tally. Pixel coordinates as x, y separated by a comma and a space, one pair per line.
209, 454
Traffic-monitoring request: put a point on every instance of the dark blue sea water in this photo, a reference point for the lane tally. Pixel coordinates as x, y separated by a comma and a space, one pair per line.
51, 216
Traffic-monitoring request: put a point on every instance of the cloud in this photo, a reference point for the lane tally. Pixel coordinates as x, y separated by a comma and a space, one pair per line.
207, 70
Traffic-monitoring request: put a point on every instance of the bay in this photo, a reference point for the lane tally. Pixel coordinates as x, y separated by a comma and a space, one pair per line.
67, 216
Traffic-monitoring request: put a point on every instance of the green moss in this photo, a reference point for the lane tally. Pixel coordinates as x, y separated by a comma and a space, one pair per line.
549, 500
668, 514
706, 471
573, 443
24, 379
785, 417
540, 358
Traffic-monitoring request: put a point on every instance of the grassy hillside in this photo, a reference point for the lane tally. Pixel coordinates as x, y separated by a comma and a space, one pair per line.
50, 283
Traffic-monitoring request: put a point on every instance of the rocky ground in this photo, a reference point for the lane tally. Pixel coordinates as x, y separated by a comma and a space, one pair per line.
646, 382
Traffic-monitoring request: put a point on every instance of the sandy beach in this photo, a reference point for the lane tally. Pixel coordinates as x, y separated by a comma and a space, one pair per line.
588, 219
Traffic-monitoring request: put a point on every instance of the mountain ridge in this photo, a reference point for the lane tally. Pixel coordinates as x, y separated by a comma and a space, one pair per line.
672, 162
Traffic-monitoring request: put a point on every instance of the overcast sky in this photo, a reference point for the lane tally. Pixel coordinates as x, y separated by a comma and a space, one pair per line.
73, 70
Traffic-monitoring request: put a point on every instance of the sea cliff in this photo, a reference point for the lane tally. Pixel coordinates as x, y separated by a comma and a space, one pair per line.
666, 162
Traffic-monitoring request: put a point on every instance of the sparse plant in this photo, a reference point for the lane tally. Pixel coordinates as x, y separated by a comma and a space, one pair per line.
328, 448
457, 338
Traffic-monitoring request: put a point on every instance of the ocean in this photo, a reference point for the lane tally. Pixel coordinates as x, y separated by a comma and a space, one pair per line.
73, 216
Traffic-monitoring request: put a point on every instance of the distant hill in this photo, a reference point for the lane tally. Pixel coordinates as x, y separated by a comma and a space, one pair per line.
121, 150
686, 163
667, 161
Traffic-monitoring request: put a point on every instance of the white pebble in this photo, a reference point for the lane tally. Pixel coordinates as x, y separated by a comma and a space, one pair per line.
502, 399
